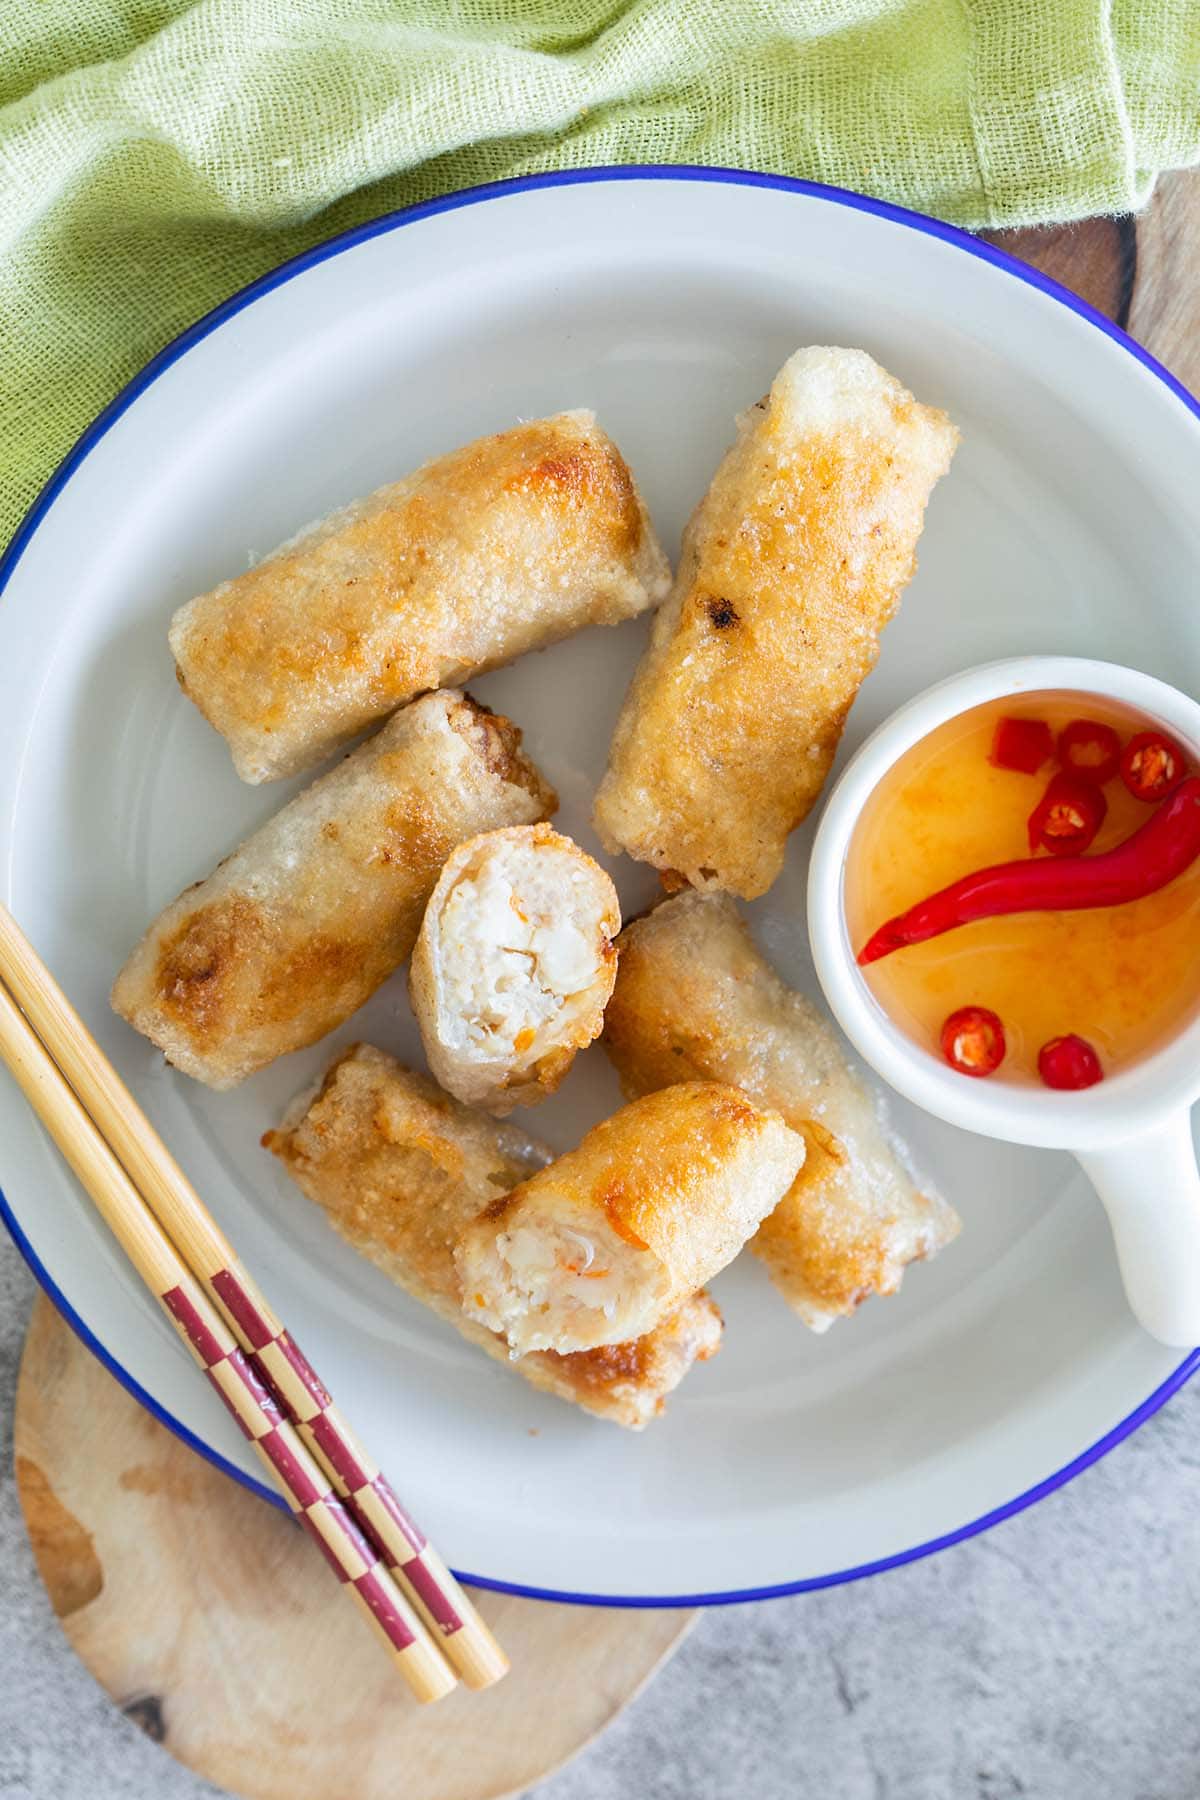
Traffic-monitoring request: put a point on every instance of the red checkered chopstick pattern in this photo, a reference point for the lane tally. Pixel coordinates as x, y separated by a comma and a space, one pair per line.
355, 1478
308, 1490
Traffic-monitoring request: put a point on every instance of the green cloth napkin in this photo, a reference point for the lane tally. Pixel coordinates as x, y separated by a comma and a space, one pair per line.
155, 155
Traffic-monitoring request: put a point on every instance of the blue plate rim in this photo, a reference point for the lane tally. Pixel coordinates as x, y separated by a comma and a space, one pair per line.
335, 246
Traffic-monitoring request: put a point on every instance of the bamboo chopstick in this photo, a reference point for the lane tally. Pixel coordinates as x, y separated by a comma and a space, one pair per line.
308, 1489
462, 1635
308, 1492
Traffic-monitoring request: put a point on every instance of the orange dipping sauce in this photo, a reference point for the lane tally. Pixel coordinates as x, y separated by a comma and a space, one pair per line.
1125, 977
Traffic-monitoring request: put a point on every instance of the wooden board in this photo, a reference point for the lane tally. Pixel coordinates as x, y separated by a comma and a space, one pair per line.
1143, 272
190, 1600
212, 1622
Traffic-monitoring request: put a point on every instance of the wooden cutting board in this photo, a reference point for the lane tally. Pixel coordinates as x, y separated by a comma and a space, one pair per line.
191, 1601
207, 1617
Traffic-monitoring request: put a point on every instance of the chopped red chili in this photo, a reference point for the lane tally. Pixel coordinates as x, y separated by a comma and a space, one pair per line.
1067, 817
973, 1041
1162, 848
1152, 765
1069, 1062
1090, 750
1022, 744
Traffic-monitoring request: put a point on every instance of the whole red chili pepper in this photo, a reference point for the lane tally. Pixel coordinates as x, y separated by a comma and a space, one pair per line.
1090, 749
1067, 817
1162, 848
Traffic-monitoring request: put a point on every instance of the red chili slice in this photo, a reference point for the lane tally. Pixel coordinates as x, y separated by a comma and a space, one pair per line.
973, 1041
1090, 750
1152, 765
1067, 817
1069, 1062
1022, 744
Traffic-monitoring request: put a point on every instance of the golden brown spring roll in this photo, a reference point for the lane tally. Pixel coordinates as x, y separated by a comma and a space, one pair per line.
513, 965
694, 999
290, 934
613, 1237
399, 1169
503, 546
792, 564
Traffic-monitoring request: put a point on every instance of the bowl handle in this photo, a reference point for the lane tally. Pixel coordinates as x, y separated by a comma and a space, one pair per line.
1150, 1187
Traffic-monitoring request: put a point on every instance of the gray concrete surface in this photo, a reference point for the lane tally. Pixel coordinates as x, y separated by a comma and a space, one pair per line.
1058, 1658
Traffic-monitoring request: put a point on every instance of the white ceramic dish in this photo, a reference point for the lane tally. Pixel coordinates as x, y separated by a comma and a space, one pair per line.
1133, 1132
666, 299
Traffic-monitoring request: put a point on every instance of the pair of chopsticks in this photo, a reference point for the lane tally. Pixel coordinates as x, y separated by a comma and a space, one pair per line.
329, 1482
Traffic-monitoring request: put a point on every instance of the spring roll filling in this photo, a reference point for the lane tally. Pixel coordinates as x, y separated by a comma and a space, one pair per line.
546, 1278
516, 964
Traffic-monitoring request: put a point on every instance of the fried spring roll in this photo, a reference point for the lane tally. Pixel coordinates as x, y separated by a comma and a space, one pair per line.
613, 1237
400, 1169
792, 564
514, 965
503, 546
290, 934
694, 999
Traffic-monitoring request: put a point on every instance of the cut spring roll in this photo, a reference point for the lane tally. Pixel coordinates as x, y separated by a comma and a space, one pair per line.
694, 999
400, 1169
612, 1238
298, 927
514, 965
792, 564
503, 546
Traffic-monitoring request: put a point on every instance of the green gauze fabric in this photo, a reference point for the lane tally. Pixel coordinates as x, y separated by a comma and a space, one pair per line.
155, 155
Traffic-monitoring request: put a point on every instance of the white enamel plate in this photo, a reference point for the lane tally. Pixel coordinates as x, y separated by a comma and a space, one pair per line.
666, 300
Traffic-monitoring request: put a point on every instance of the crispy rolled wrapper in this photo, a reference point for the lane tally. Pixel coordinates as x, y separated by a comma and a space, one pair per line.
514, 965
400, 1169
612, 1238
298, 927
695, 999
792, 564
501, 547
